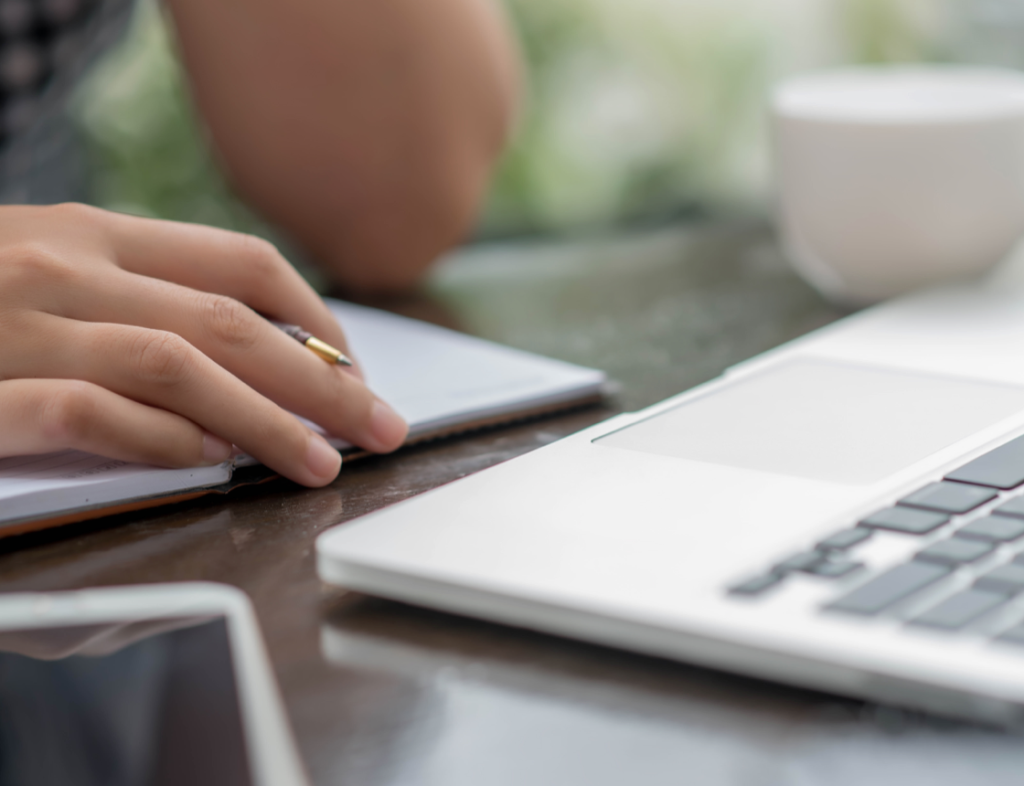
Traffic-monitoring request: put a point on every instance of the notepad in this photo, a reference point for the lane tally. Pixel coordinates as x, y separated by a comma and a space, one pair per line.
441, 381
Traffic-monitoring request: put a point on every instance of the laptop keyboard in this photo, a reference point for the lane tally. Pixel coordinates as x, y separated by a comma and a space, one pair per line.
980, 544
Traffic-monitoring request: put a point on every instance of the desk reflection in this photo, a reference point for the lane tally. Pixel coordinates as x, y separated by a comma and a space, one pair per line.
490, 706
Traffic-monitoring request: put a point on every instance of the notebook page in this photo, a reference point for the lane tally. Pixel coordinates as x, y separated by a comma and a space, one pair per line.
52, 482
436, 377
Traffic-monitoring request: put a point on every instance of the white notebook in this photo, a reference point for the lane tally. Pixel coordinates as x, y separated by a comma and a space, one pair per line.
441, 381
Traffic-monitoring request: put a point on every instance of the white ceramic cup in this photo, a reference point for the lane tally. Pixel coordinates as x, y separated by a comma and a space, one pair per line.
895, 178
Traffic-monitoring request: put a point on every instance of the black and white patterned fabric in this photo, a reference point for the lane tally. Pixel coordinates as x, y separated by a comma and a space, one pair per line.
45, 47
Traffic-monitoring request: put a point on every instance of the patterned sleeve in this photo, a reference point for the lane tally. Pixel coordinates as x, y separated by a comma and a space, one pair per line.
45, 47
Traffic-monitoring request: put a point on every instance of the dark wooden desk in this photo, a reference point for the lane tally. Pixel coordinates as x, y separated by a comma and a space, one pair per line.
381, 693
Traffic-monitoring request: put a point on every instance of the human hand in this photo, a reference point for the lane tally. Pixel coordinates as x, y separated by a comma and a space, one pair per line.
138, 339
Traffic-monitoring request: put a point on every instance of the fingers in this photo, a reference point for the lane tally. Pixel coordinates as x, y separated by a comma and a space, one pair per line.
241, 266
46, 415
164, 371
245, 344
120, 327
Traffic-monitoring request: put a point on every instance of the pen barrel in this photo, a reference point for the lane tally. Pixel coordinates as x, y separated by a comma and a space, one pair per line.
326, 351
300, 335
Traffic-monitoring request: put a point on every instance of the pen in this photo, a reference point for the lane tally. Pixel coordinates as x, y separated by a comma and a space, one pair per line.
316, 346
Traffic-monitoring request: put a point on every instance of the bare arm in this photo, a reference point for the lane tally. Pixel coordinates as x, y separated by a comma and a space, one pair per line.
365, 128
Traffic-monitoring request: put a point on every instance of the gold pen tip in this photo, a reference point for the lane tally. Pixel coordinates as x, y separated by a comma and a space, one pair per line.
327, 352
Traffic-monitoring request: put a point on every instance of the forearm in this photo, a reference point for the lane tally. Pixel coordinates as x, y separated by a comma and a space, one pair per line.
367, 130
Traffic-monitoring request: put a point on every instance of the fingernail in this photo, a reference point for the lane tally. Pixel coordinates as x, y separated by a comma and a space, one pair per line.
387, 429
321, 459
215, 450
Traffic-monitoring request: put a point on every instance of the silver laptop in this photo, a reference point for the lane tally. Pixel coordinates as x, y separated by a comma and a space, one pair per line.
845, 512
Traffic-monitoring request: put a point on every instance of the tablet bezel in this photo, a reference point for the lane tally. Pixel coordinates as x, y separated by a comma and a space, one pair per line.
270, 747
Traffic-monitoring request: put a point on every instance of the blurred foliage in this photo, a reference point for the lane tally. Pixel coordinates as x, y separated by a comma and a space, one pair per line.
632, 112
883, 31
149, 155
637, 110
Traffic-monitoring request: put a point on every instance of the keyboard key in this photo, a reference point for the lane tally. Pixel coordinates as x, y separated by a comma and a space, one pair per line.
835, 568
845, 539
956, 611
954, 551
950, 497
756, 586
1014, 507
997, 528
913, 522
802, 561
1002, 468
1014, 635
893, 585
1006, 579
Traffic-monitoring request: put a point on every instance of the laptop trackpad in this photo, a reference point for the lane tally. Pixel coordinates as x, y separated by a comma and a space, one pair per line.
824, 421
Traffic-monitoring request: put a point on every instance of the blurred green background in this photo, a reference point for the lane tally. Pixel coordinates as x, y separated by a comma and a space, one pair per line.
639, 111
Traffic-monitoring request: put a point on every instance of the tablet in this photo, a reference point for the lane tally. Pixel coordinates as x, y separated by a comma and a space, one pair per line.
139, 686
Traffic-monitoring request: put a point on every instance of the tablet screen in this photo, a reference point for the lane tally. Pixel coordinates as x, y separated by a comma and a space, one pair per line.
126, 704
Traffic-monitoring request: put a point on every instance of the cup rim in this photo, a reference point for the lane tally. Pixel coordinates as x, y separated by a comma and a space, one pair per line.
905, 94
